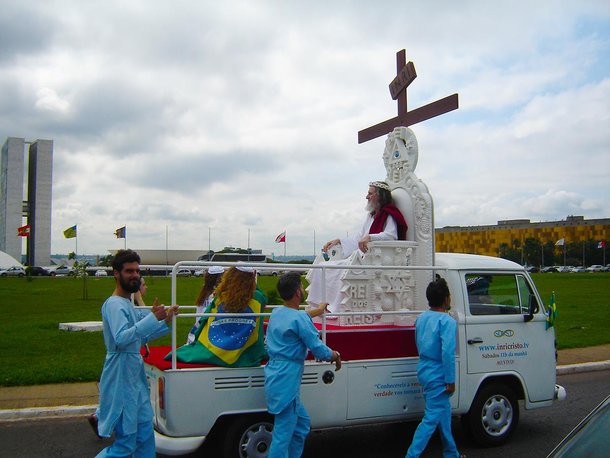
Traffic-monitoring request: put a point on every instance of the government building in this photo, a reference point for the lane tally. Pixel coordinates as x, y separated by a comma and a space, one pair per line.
574, 232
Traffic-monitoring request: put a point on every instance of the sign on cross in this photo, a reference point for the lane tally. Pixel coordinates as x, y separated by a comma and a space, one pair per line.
398, 90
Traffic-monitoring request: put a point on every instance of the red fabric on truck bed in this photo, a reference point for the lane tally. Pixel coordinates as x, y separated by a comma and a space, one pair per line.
353, 342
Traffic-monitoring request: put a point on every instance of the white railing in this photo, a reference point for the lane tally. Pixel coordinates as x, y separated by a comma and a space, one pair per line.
280, 268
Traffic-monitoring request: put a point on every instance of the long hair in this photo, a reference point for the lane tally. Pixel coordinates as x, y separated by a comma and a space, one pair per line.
235, 289
384, 197
209, 283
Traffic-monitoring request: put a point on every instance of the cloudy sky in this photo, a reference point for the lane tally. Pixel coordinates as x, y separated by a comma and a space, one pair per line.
222, 122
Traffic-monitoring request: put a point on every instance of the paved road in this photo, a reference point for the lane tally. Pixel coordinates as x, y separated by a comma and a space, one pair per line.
536, 434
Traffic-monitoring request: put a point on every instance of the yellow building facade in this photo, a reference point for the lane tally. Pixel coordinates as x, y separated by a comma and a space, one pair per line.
486, 240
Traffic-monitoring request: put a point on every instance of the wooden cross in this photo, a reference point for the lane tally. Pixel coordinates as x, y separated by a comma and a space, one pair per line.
398, 89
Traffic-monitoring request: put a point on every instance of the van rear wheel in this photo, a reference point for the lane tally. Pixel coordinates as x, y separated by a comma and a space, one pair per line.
493, 415
249, 437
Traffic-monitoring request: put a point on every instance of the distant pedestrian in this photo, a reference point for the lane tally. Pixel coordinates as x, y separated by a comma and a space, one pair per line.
138, 297
435, 335
125, 408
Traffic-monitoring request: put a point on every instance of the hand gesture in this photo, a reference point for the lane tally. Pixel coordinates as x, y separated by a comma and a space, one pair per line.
171, 311
331, 244
319, 310
363, 244
159, 310
336, 358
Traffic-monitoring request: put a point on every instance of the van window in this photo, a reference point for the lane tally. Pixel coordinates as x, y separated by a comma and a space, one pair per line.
497, 294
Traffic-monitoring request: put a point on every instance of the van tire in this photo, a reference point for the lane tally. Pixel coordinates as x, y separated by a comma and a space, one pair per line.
248, 436
493, 415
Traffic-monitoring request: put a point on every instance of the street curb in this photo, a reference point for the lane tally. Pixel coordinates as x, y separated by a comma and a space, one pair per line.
35, 413
583, 367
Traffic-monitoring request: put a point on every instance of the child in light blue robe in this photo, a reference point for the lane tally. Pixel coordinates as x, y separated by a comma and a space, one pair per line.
435, 335
289, 334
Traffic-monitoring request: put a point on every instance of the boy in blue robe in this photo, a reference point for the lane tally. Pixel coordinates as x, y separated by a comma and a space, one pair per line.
435, 334
125, 407
289, 334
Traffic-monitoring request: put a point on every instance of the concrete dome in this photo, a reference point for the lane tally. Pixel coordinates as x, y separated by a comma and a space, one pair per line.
6, 261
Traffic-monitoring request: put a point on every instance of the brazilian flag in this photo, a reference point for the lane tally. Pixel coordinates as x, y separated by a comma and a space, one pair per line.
232, 341
552, 312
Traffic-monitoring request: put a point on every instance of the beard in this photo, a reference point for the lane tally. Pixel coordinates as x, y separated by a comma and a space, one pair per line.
369, 207
129, 286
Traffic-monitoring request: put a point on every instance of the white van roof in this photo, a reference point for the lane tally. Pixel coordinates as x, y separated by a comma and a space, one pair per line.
462, 261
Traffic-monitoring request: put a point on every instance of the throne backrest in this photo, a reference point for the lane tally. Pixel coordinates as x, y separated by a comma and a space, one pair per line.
410, 194
391, 290
403, 202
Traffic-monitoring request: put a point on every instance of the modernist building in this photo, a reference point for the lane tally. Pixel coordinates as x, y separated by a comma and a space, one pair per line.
26, 192
488, 240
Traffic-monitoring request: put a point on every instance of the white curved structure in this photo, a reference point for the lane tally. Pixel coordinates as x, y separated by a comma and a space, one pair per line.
392, 290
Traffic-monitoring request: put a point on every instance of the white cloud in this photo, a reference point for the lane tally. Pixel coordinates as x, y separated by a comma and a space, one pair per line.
229, 119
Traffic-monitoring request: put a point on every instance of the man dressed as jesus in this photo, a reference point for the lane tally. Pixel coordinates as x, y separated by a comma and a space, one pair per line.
383, 222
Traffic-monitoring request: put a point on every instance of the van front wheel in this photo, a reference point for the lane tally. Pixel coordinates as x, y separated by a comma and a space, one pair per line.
249, 437
493, 415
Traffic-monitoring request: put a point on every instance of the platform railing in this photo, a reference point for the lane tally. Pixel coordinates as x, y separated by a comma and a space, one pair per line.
259, 266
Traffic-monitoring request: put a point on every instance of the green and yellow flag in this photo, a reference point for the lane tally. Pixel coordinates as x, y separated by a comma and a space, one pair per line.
70, 233
552, 312
232, 341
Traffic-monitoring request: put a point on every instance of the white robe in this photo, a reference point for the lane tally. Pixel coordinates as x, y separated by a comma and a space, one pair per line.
332, 292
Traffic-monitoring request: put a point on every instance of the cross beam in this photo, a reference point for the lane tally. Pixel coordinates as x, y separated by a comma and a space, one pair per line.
398, 90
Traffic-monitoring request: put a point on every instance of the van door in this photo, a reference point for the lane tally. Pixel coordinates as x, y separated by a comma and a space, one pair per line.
498, 337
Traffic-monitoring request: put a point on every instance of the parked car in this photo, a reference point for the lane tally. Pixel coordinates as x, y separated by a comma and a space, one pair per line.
101, 273
199, 273
606, 268
62, 270
15, 271
532, 269
36, 271
184, 273
578, 269
590, 437
266, 273
549, 269
595, 268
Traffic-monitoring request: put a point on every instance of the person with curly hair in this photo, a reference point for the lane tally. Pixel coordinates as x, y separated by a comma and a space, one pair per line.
205, 297
227, 339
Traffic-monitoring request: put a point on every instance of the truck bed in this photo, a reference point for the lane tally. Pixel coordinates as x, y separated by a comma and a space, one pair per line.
353, 342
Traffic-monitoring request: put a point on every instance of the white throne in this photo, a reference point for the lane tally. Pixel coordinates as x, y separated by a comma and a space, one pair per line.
394, 290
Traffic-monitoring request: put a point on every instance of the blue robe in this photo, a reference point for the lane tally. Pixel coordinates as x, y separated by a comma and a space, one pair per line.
289, 334
435, 334
123, 388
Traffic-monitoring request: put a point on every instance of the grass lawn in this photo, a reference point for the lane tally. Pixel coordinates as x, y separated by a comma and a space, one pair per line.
35, 351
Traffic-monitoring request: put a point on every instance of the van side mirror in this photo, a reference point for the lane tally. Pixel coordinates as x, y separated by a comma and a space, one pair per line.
533, 308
